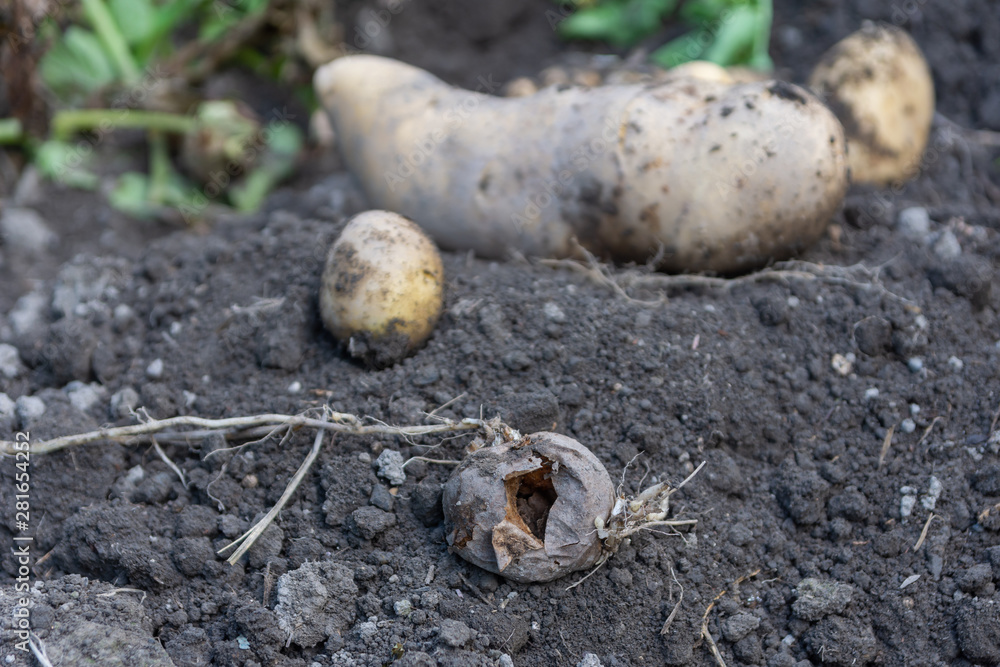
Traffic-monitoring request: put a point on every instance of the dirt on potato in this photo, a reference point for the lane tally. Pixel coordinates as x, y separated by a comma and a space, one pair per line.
818, 542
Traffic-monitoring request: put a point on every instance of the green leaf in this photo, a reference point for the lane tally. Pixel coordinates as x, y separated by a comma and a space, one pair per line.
685, 48
166, 18
65, 163
620, 22
701, 12
11, 131
135, 18
227, 13
596, 23
278, 162
112, 39
130, 195
76, 65
735, 39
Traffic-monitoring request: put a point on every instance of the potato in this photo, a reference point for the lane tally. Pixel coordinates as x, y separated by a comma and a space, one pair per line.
382, 287
721, 178
879, 85
526, 509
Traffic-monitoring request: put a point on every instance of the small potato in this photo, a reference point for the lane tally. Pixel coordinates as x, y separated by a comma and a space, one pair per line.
878, 84
382, 287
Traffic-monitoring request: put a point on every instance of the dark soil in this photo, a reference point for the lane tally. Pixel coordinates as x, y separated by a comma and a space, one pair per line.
805, 551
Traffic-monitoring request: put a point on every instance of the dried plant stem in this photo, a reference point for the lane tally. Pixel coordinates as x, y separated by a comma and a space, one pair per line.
235, 428
246, 540
923, 533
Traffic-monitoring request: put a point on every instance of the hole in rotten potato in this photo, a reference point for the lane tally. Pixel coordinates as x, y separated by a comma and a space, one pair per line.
530, 496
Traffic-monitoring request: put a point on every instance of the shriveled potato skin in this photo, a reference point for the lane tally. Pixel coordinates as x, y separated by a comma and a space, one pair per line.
382, 287
722, 178
475, 502
878, 83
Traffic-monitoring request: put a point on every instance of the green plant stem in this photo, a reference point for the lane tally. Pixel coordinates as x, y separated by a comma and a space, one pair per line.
765, 15
159, 167
110, 35
66, 123
11, 131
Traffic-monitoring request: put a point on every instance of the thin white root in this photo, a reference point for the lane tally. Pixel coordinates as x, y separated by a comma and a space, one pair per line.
622, 282
235, 428
170, 464
589, 574
37, 647
247, 539
677, 607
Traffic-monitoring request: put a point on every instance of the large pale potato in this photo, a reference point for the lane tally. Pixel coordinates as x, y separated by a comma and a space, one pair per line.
704, 175
878, 83
382, 287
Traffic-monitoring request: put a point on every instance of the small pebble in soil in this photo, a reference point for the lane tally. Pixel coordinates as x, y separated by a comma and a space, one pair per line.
29, 313
381, 498
368, 629
817, 598
154, 370
25, 229
915, 364
123, 402
454, 633
914, 223
553, 313
955, 364
843, 363
908, 426
934, 489
84, 396
739, 626
870, 393
29, 408
873, 335
390, 467
295, 387
403, 608
8, 410
369, 522
10, 362
914, 409
589, 660
947, 247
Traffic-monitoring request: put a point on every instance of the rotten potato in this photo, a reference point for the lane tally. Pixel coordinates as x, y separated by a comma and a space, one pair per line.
878, 83
382, 287
703, 175
526, 508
